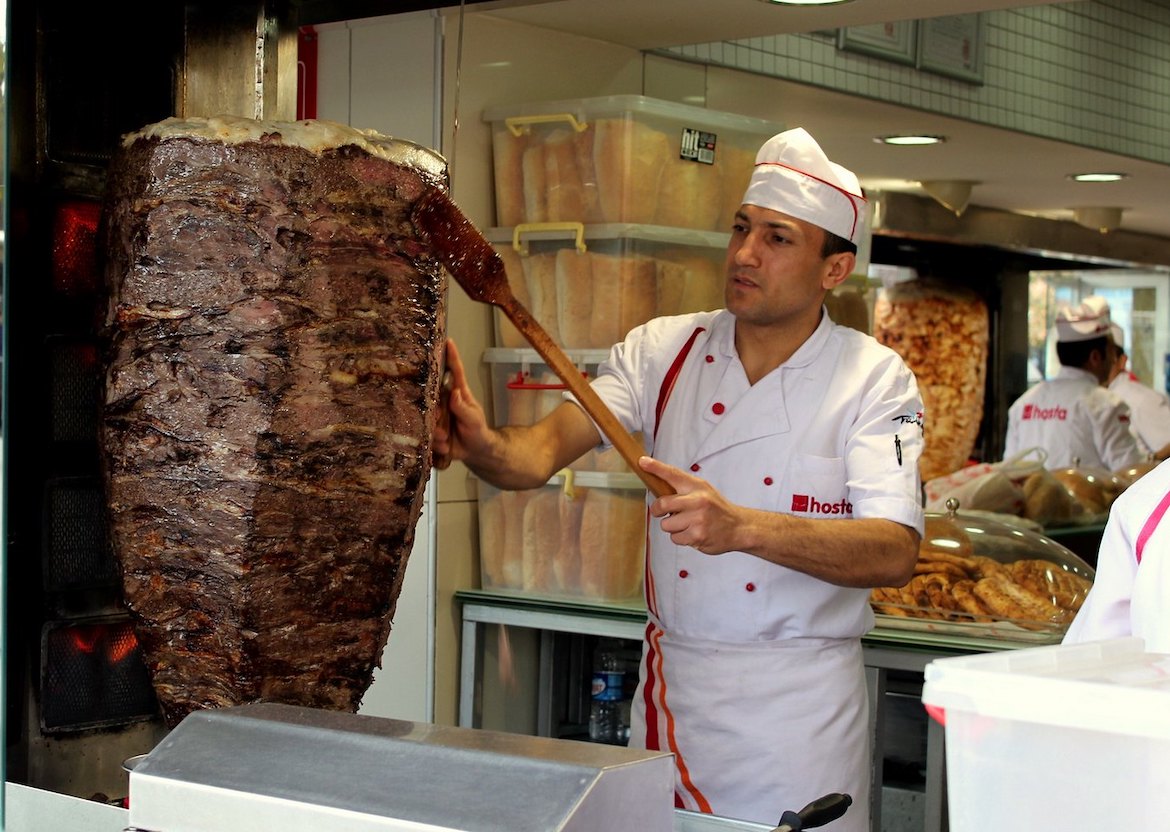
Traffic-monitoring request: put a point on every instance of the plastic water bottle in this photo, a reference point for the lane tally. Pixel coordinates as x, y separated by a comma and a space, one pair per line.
605, 712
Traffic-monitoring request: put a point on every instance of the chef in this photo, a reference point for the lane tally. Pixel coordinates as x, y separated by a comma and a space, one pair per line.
1131, 589
1072, 416
792, 444
1149, 409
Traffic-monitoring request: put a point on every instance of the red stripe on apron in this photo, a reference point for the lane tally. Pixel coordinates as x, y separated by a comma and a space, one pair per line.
656, 702
1151, 524
654, 691
672, 376
663, 397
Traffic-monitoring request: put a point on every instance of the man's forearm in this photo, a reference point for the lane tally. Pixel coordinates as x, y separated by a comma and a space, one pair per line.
845, 552
518, 457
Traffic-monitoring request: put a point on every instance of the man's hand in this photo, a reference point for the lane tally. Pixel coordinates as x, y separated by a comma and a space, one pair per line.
696, 515
462, 426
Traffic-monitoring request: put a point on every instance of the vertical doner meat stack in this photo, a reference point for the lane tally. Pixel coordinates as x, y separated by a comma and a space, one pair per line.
275, 335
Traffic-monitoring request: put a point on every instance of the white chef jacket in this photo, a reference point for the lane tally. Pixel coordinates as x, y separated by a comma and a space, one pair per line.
1076, 421
1149, 412
1131, 591
752, 672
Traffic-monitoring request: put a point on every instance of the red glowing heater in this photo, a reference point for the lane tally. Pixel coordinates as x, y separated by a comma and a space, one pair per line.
75, 264
93, 676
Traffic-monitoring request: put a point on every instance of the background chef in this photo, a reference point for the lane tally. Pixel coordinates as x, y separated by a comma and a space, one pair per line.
792, 444
1149, 409
1072, 416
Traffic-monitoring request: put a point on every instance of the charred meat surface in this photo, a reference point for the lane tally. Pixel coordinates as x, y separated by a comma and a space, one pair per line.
275, 331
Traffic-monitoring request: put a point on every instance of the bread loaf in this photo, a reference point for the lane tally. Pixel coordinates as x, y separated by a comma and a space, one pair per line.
565, 195
735, 166
703, 281
512, 571
670, 283
575, 295
535, 184
942, 334
1093, 494
605, 326
628, 158
493, 544
613, 535
508, 169
639, 292
689, 195
567, 560
509, 336
541, 540
1046, 500
540, 272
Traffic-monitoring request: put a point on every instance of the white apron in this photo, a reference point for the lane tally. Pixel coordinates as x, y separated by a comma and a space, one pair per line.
757, 723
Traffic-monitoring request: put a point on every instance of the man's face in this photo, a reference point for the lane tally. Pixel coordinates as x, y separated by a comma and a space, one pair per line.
774, 268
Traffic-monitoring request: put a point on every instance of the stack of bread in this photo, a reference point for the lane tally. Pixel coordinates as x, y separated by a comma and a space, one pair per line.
591, 299
942, 334
954, 583
564, 540
615, 170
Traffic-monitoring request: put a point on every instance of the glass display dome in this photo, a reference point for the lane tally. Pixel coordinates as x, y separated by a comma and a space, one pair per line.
979, 577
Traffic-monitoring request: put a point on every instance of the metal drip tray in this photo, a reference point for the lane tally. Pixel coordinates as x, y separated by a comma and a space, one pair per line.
268, 766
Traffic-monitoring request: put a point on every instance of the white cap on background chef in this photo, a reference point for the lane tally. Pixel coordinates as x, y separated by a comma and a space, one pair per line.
1085, 321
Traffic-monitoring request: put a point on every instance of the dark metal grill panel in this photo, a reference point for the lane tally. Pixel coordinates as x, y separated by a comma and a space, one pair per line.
76, 389
76, 548
93, 676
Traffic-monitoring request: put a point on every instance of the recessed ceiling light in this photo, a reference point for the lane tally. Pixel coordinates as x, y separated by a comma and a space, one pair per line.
910, 140
1097, 177
806, 2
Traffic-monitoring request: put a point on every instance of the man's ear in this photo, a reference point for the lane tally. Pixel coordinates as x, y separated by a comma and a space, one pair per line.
838, 267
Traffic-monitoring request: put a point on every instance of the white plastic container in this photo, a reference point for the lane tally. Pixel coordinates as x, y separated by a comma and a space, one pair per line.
589, 285
1057, 738
622, 159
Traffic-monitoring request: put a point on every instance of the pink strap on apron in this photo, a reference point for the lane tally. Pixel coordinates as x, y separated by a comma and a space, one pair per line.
1151, 524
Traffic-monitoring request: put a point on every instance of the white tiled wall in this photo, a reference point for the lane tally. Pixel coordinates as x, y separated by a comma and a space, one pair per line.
1093, 73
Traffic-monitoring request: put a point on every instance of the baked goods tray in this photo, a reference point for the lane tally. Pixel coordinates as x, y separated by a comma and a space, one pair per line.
1027, 632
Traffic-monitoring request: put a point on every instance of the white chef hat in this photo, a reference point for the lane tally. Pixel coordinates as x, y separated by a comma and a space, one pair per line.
1118, 335
1087, 320
795, 177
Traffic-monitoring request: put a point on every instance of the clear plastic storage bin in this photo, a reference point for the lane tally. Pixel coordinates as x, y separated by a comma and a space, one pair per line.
580, 536
1057, 738
622, 159
590, 285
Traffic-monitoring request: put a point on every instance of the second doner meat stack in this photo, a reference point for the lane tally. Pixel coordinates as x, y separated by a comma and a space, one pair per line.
942, 334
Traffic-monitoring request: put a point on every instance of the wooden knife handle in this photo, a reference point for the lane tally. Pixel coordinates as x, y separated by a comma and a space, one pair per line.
555, 357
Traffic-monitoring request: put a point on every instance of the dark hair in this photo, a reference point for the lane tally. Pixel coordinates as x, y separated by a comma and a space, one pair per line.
1076, 353
835, 244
